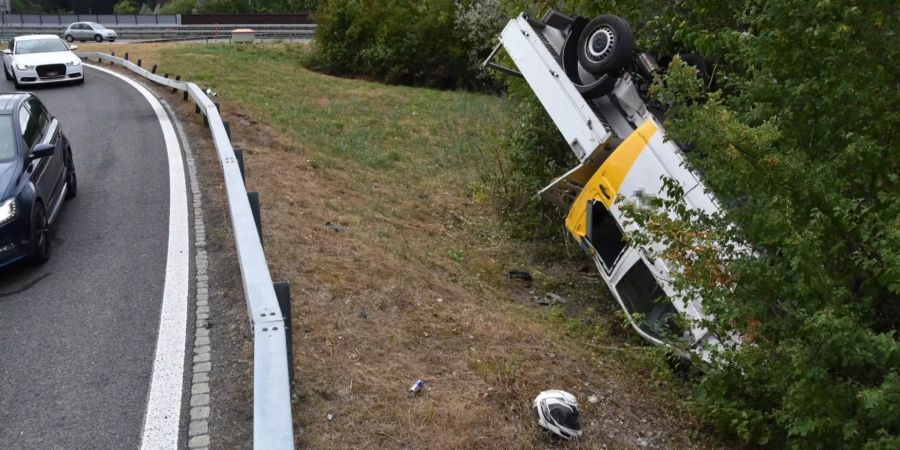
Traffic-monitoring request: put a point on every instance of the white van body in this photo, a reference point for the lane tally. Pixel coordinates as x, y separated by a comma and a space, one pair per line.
622, 152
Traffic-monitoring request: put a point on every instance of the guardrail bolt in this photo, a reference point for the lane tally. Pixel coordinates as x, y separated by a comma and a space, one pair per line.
283, 293
139, 62
153, 70
253, 197
227, 129
239, 156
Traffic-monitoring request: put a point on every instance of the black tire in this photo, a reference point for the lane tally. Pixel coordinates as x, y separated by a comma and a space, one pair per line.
98, 38
69, 38
606, 45
40, 236
18, 85
6, 74
80, 81
71, 177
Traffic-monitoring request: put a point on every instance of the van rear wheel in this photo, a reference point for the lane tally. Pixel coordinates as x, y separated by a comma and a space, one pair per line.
606, 45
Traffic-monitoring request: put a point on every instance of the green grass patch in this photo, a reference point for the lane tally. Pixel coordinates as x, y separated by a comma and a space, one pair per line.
375, 125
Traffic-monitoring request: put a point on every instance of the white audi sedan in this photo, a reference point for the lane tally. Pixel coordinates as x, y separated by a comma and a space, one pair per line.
39, 59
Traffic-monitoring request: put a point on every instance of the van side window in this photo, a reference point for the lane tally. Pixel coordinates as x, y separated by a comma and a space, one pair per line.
642, 295
604, 234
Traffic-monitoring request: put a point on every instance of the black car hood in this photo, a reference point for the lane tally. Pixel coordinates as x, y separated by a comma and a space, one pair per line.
8, 175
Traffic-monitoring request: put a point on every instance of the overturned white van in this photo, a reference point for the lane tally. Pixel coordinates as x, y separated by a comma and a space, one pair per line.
593, 85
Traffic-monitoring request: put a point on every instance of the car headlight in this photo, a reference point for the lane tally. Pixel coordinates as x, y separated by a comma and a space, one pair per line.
77, 62
24, 66
7, 210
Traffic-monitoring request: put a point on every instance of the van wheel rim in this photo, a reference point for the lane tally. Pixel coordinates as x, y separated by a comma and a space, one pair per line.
601, 43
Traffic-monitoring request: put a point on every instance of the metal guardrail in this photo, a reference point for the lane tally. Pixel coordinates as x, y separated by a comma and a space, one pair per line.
184, 32
272, 420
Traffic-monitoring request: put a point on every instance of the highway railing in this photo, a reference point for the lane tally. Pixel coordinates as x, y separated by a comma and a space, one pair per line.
173, 32
272, 420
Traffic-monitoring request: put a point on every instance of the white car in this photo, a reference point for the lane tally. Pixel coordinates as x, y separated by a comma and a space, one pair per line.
85, 31
39, 59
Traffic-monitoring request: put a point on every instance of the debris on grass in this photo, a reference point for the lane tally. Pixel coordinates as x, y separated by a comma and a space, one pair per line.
336, 227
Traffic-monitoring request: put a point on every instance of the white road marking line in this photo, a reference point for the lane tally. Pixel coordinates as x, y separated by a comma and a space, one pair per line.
163, 416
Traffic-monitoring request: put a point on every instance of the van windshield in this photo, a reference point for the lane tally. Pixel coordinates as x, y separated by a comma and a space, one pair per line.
604, 234
642, 295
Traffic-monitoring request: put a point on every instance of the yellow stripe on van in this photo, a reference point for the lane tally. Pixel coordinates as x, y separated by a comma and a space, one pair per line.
604, 184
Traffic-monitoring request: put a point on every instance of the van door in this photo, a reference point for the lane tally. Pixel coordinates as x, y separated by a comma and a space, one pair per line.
640, 293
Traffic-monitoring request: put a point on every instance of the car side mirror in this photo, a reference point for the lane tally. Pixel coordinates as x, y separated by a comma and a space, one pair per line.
7, 51
73, 47
42, 150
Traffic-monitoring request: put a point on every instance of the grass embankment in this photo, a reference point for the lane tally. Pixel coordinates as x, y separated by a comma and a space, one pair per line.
374, 208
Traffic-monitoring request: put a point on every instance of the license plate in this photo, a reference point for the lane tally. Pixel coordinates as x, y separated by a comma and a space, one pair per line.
52, 74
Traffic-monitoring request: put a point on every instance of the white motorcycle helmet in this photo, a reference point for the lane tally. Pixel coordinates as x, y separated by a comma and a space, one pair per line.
557, 412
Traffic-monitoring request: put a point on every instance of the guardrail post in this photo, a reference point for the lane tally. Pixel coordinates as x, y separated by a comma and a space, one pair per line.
196, 109
283, 293
253, 197
177, 78
239, 156
126, 56
205, 121
139, 62
153, 70
227, 129
185, 96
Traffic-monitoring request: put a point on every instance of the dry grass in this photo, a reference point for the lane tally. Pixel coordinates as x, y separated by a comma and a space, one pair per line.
408, 280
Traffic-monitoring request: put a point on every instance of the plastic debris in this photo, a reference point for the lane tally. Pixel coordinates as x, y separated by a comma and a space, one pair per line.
330, 417
520, 275
593, 399
550, 299
417, 387
336, 227
363, 314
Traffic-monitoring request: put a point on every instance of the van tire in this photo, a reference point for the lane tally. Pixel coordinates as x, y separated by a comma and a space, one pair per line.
606, 45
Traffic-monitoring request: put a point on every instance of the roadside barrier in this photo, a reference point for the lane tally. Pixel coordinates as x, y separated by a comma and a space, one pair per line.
268, 304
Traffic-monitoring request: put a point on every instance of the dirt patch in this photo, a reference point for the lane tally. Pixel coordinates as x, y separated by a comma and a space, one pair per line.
392, 284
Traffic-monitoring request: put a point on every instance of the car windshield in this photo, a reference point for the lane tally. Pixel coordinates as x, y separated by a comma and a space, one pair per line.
7, 139
40, 46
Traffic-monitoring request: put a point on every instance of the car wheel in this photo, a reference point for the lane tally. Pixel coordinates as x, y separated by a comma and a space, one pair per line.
98, 38
69, 38
40, 236
606, 45
6, 73
18, 85
71, 178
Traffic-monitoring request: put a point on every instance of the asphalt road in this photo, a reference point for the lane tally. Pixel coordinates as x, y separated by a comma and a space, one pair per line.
78, 335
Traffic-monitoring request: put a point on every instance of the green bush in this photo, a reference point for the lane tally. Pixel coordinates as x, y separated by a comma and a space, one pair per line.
395, 41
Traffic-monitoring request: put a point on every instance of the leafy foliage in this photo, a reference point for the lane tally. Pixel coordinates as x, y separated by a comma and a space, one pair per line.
415, 43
